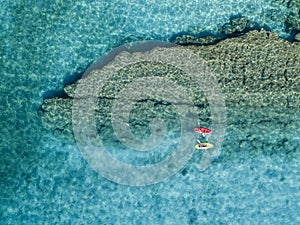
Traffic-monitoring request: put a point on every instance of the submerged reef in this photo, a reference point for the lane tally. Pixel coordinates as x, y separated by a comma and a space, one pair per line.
258, 73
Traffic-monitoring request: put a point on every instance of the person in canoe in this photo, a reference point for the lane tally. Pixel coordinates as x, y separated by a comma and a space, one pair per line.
203, 131
203, 146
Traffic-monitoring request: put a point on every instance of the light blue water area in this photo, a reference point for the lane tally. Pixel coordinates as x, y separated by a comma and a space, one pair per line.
45, 181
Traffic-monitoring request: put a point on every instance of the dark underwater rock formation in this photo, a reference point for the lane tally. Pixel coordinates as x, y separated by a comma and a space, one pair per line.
259, 74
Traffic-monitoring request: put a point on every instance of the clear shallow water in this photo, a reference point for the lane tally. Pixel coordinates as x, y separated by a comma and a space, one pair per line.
45, 181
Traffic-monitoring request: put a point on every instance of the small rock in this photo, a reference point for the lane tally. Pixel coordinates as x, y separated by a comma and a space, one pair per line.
243, 144
297, 37
236, 25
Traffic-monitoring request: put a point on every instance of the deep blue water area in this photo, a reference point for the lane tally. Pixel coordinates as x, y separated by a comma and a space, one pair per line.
43, 180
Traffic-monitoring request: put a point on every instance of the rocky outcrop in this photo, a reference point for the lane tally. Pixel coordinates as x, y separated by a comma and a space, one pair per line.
259, 75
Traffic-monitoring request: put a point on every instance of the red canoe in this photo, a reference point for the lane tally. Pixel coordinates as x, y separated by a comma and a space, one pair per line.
202, 130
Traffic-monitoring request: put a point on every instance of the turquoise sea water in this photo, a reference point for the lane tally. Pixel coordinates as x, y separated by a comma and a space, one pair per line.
45, 44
